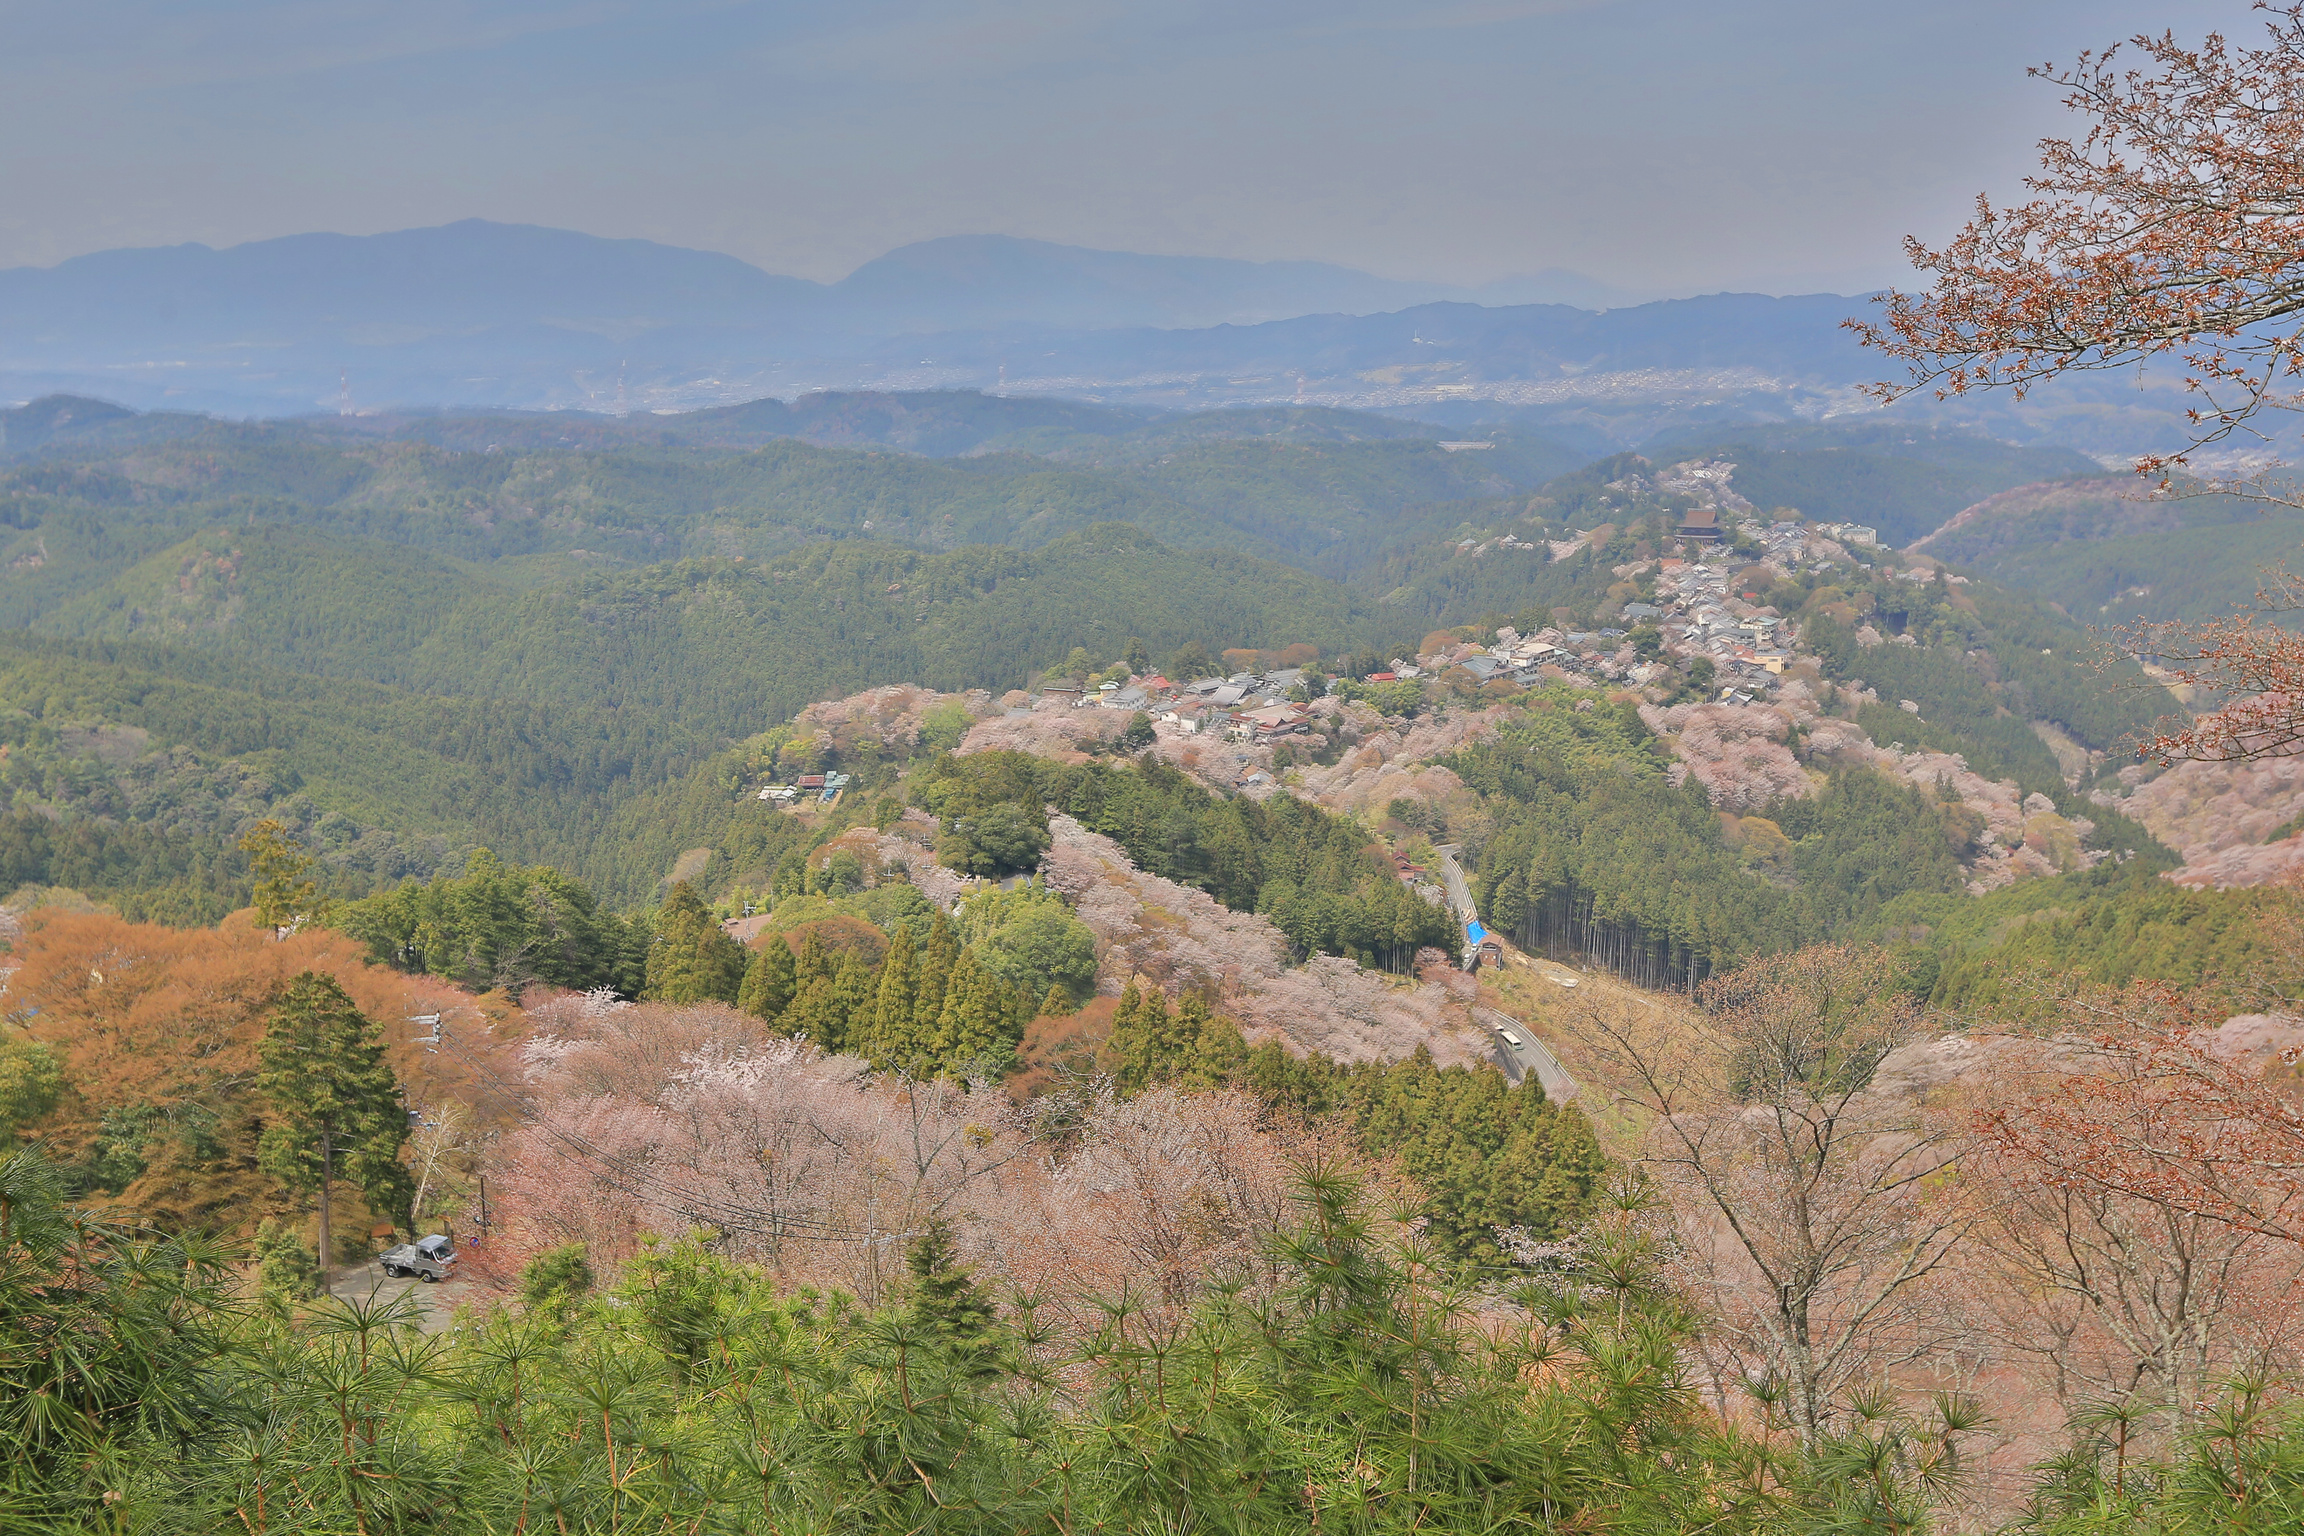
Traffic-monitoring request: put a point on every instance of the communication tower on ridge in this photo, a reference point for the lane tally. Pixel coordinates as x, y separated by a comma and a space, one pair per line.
343, 391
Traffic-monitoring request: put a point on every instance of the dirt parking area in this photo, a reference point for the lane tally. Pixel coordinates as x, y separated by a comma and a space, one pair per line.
436, 1303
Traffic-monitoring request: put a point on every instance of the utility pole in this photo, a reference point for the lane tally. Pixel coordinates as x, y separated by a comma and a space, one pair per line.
327, 1252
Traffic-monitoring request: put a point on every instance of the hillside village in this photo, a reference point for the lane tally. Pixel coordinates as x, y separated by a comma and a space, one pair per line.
1042, 890
1722, 679
1724, 683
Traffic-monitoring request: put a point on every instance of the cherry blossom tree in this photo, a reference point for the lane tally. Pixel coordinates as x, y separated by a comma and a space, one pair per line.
2170, 231
1810, 1208
2171, 228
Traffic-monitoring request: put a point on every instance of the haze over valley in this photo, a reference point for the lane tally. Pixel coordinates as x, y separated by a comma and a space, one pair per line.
687, 843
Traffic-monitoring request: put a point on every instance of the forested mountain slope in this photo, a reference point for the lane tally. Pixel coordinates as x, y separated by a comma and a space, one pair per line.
1326, 505
1900, 479
719, 646
617, 615
2109, 549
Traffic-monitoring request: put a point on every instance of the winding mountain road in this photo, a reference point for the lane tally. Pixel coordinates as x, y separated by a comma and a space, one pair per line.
1531, 1052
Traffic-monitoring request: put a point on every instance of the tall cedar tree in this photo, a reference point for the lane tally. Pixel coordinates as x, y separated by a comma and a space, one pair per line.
1149, 1045
338, 1106
855, 985
891, 1040
768, 983
815, 1014
978, 1026
693, 959
286, 895
936, 960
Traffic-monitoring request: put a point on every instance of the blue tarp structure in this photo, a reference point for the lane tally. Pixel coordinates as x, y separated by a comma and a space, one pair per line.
1474, 932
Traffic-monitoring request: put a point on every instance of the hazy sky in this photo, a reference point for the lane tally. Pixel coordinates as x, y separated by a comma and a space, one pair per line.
1657, 144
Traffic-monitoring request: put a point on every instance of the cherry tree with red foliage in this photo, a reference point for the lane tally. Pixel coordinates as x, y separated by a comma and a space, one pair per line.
2137, 1178
2172, 228
2157, 1113
2170, 231
2250, 662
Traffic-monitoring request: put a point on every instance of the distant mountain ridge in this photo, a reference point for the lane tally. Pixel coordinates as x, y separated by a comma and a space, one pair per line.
479, 314
483, 315
412, 284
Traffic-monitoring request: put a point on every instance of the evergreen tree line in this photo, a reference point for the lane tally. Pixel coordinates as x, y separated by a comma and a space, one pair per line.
1495, 1162
2013, 952
926, 1007
1314, 873
1594, 851
150, 874
501, 925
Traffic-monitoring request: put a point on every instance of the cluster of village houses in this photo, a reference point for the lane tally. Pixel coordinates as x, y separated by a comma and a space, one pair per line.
1703, 606
1248, 706
1698, 611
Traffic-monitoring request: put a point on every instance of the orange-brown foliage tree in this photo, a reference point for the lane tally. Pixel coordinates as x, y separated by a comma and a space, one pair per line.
2172, 228
2141, 1184
140, 1015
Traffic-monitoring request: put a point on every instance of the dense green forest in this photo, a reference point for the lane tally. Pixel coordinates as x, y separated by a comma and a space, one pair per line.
1325, 505
547, 501
499, 925
423, 712
1594, 851
2109, 550
227, 740
1313, 873
1901, 479
2016, 953
713, 647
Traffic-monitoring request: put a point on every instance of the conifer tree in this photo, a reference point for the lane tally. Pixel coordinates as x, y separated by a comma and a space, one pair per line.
1191, 1048
814, 1012
976, 1026
946, 1299
768, 980
1210, 1049
286, 897
1139, 1030
813, 963
936, 960
693, 959
890, 1040
855, 984
336, 1104
286, 1271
